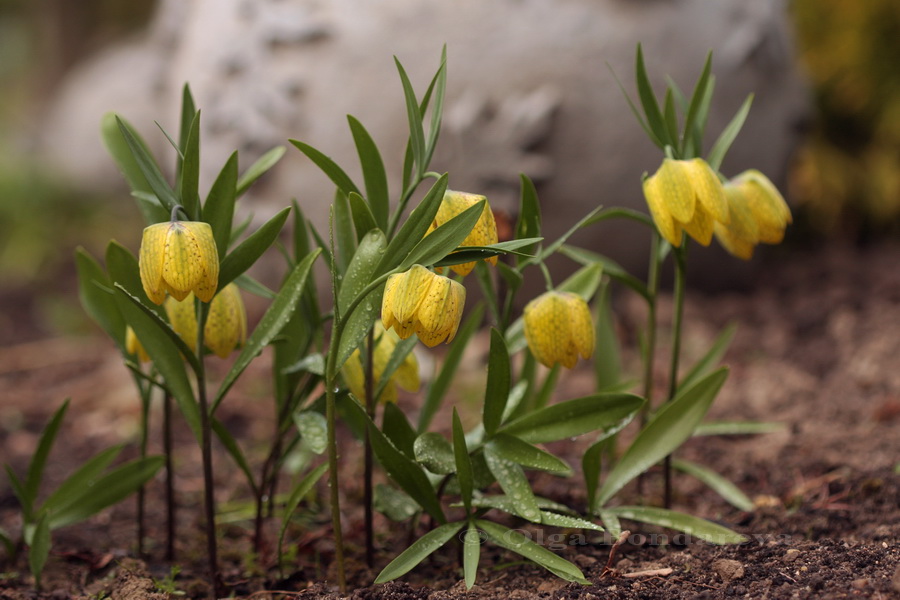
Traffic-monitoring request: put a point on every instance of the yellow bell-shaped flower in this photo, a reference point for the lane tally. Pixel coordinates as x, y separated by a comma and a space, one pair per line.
483, 234
133, 345
179, 257
226, 323
425, 303
559, 328
686, 195
406, 376
758, 212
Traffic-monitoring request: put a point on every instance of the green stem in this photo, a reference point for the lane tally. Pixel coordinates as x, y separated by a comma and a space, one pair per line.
368, 459
546, 272
401, 205
680, 280
206, 453
653, 273
330, 416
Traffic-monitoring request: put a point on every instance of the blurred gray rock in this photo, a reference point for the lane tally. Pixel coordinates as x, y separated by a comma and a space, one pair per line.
530, 90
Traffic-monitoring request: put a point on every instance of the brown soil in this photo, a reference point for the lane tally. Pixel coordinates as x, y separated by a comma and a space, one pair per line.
817, 349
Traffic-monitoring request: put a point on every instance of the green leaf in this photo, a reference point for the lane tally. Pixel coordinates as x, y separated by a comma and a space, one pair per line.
234, 450
402, 469
190, 168
396, 428
39, 548
363, 219
607, 361
518, 543
438, 388
694, 113
728, 135
272, 322
395, 504
672, 424
188, 114
300, 491
248, 252
694, 526
435, 453
515, 485
95, 293
471, 554
415, 227
81, 479
671, 119
374, 174
648, 101
418, 551
610, 268
148, 166
360, 273
515, 450
218, 210
110, 489
711, 358
611, 522
606, 412
329, 167
727, 490
585, 221
498, 383
344, 235
505, 504
567, 522
416, 132
583, 282
738, 428
114, 140
591, 463
41, 453
439, 85
313, 430
165, 354
463, 462
8, 545
259, 168
443, 240
529, 221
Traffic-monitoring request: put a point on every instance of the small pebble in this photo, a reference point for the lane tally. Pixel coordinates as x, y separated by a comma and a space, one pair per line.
728, 569
791, 555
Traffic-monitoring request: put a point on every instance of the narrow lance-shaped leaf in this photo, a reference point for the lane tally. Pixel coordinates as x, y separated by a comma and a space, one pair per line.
694, 113
515, 450
328, 166
259, 168
518, 543
83, 478
728, 135
363, 219
720, 485
190, 170
418, 551
98, 301
374, 173
344, 235
218, 210
512, 479
711, 358
39, 548
39, 459
498, 383
275, 318
416, 132
248, 252
445, 238
148, 167
668, 429
599, 412
397, 429
413, 230
300, 491
359, 275
188, 118
439, 84
648, 102
463, 462
471, 554
694, 526
529, 222
435, 453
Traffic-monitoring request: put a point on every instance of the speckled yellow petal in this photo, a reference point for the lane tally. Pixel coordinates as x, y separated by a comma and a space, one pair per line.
151, 259
701, 226
183, 319
410, 293
207, 264
708, 189
582, 325
546, 329
656, 202
225, 327
676, 189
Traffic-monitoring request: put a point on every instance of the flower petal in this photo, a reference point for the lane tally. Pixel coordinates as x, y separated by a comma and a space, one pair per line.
151, 259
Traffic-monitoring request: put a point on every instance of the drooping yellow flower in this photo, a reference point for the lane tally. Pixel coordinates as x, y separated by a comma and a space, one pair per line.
483, 234
179, 257
759, 214
406, 375
226, 323
559, 328
133, 345
686, 195
425, 303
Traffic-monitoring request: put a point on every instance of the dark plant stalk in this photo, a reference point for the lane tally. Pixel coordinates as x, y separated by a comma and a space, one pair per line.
653, 273
680, 280
268, 478
142, 491
368, 461
170, 477
209, 503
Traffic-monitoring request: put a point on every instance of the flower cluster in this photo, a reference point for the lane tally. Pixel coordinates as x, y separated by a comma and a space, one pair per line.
406, 376
687, 196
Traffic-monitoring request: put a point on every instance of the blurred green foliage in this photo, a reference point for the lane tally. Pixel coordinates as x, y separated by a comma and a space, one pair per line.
848, 173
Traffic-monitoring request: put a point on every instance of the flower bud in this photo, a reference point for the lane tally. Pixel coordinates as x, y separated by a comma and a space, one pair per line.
686, 195
179, 257
421, 302
559, 328
406, 376
483, 234
758, 212
226, 323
